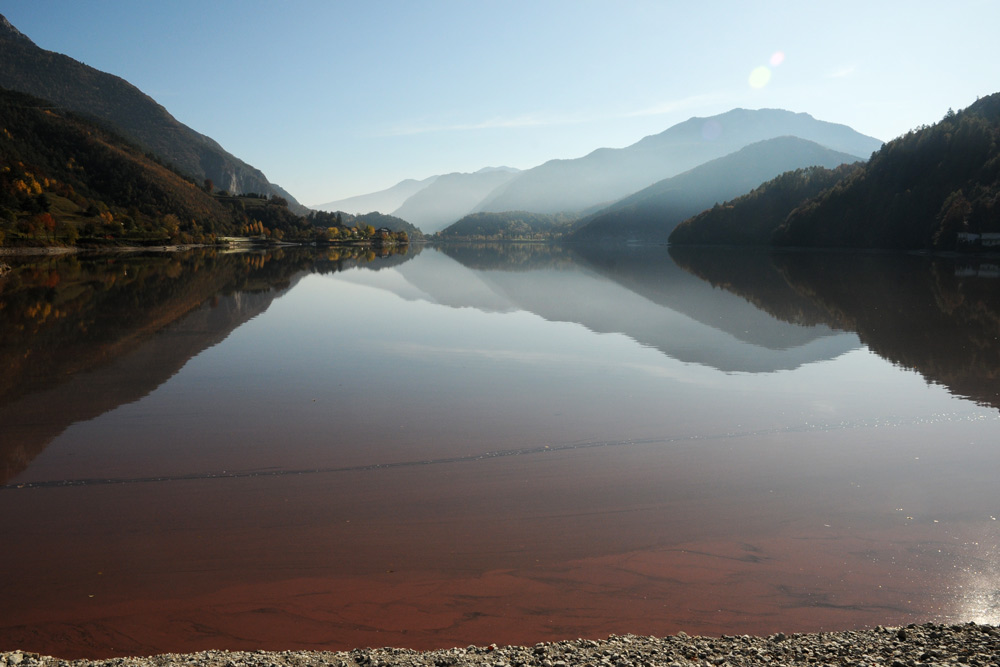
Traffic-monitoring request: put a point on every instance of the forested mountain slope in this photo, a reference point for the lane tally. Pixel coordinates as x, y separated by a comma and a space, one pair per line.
75, 86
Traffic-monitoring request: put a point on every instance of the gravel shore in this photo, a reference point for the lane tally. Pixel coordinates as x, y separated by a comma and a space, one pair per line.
910, 646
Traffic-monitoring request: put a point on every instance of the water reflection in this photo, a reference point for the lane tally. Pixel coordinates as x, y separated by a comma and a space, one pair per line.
488, 444
939, 316
640, 292
83, 334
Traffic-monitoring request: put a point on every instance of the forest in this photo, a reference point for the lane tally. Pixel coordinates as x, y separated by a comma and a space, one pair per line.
68, 180
509, 226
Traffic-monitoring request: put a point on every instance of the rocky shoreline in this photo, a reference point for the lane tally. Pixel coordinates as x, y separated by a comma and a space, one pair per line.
910, 646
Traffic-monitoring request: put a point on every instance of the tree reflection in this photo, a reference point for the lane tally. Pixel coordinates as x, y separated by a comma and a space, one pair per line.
939, 316
73, 326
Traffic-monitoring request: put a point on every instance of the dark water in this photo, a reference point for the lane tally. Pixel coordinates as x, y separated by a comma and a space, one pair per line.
492, 444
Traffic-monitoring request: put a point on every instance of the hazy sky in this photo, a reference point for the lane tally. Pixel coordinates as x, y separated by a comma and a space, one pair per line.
334, 98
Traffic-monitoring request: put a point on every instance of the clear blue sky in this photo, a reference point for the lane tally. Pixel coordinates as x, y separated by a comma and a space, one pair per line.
334, 98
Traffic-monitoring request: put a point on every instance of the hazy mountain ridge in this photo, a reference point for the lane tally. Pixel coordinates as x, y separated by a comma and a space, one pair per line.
582, 186
383, 201
651, 214
451, 196
608, 174
71, 84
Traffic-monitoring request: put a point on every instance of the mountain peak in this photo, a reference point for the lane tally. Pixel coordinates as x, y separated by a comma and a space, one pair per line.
7, 29
487, 170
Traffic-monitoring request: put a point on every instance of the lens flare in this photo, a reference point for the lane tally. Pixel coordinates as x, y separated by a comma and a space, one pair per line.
759, 77
777, 58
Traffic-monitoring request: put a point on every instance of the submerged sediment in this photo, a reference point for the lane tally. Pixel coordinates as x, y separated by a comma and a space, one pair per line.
911, 646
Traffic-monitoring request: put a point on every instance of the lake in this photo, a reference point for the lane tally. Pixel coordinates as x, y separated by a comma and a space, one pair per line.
328, 449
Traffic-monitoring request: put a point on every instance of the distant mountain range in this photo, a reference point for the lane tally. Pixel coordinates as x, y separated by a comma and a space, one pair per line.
582, 187
937, 187
432, 203
383, 201
451, 196
606, 174
66, 82
652, 213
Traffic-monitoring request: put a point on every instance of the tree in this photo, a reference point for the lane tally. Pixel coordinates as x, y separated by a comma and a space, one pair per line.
47, 222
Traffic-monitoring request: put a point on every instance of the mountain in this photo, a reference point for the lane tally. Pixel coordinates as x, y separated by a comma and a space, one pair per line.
61, 169
386, 200
752, 218
510, 225
652, 213
608, 174
378, 220
920, 191
70, 84
68, 179
450, 197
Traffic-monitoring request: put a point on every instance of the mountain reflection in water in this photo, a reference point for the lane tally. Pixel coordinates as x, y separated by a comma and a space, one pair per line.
314, 448
939, 316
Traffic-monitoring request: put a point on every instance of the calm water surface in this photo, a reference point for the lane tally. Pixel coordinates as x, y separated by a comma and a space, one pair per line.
492, 444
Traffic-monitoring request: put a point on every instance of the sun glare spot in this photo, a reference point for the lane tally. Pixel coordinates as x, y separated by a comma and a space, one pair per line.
777, 58
759, 77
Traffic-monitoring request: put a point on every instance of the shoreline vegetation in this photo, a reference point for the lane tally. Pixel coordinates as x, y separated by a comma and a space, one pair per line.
910, 646
66, 180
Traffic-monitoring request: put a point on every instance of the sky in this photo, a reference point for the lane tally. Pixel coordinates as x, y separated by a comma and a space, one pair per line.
335, 98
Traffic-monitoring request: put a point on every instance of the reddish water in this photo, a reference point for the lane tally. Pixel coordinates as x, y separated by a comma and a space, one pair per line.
508, 550
353, 467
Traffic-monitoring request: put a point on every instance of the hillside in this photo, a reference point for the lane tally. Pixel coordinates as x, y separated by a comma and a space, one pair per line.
917, 192
450, 197
751, 219
65, 180
608, 174
509, 225
61, 177
70, 84
651, 214
377, 220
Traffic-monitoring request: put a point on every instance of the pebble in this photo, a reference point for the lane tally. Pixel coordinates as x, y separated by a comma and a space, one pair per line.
912, 646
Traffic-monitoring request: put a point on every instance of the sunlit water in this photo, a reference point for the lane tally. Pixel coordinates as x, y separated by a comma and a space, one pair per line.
440, 453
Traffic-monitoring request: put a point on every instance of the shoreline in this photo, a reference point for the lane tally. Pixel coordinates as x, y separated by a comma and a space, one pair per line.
910, 646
